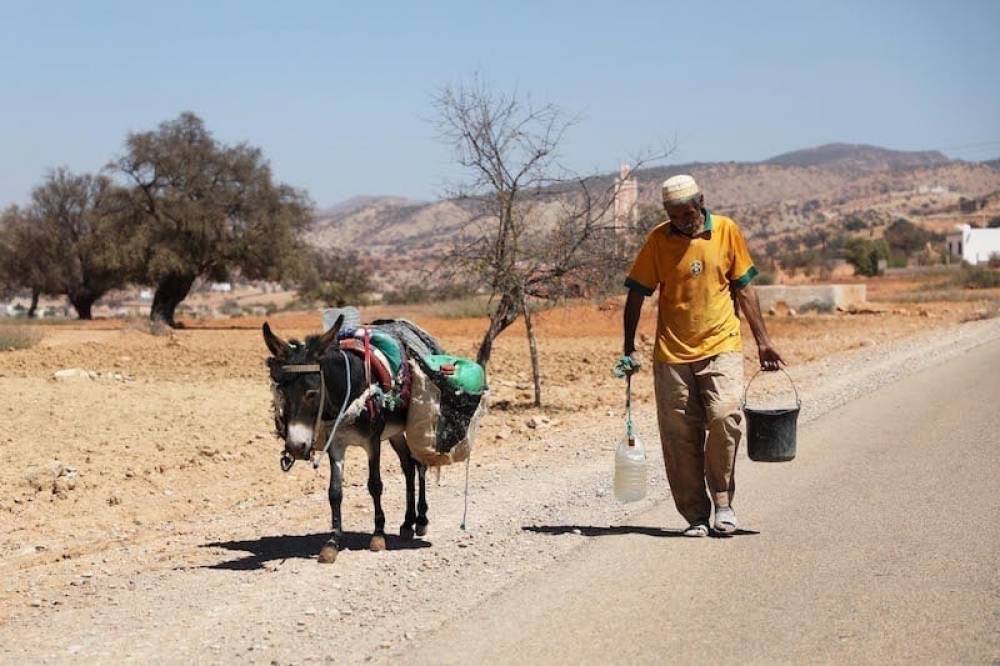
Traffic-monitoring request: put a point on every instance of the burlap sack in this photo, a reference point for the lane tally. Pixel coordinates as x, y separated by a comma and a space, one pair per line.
422, 423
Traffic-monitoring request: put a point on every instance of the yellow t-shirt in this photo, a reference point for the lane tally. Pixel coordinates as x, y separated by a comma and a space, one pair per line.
696, 318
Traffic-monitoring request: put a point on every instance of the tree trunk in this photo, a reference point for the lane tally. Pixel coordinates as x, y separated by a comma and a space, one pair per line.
83, 304
536, 373
170, 292
33, 308
504, 316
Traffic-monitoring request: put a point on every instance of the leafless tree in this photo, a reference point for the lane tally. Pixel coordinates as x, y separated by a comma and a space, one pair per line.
536, 232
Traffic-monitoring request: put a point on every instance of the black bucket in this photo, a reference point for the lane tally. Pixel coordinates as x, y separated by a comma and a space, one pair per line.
771, 432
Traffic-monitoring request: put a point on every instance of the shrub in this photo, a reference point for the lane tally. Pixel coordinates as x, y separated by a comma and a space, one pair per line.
817, 306
337, 277
16, 336
764, 278
231, 308
476, 306
855, 223
865, 255
415, 292
978, 277
991, 311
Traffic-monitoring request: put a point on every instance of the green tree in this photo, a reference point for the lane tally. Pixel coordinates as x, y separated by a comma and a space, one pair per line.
907, 238
27, 260
199, 208
73, 214
865, 254
336, 277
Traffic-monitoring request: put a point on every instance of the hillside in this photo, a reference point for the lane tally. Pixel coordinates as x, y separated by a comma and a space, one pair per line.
782, 198
858, 155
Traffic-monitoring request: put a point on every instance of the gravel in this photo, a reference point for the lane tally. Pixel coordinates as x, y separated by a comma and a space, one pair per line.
245, 602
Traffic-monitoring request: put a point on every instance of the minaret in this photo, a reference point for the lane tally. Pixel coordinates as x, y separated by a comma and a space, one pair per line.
626, 200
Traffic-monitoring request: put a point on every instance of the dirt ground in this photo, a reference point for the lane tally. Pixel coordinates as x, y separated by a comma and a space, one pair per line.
170, 431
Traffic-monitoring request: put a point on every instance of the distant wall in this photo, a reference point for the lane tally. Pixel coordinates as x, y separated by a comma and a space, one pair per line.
826, 296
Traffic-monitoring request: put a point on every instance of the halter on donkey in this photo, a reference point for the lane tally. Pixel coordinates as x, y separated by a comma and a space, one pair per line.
371, 409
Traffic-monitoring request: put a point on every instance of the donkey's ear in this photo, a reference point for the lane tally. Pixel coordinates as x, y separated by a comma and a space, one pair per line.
330, 337
277, 346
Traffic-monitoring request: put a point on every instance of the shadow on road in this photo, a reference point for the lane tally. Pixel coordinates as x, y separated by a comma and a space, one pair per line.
303, 546
612, 530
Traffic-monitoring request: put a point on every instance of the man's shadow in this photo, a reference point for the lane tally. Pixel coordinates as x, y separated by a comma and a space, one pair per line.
300, 546
616, 530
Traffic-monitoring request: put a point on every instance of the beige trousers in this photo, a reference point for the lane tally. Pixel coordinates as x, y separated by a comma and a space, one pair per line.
698, 406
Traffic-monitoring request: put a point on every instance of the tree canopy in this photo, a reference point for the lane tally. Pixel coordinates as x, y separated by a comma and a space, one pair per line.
27, 257
200, 208
74, 216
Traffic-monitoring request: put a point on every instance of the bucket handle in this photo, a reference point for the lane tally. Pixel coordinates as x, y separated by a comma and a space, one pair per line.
798, 403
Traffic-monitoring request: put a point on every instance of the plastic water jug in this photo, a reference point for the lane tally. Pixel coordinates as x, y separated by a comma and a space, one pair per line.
630, 470
630, 457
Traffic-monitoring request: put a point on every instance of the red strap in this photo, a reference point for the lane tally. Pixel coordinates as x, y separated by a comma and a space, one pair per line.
379, 371
368, 372
368, 358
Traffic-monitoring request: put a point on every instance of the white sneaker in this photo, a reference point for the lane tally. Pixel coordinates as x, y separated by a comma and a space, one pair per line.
696, 530
725, 520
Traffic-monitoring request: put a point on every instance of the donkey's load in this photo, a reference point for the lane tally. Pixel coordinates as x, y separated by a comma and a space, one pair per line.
444, 395
446, 404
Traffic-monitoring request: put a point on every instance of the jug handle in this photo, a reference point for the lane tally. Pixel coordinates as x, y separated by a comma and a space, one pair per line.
798, 403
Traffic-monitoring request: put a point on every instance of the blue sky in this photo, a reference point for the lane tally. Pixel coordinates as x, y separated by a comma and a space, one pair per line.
338, 94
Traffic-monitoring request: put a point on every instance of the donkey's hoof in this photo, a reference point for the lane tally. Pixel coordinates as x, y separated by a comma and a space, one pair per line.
328, 555
377, 544
406, 533
422, 530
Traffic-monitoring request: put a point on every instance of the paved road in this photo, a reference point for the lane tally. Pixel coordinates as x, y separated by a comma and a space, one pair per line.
878, 543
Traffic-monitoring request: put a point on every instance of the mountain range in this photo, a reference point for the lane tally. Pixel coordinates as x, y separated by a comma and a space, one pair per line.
784, 196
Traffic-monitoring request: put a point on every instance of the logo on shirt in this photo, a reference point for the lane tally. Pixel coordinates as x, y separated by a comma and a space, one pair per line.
696, 268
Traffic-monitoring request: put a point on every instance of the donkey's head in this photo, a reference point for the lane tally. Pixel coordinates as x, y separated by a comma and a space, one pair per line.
299, 403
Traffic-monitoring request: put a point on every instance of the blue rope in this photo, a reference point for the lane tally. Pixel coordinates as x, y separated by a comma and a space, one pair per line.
629, 424
343, 407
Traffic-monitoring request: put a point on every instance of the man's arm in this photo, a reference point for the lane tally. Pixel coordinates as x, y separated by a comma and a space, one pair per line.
749, 305
633, 308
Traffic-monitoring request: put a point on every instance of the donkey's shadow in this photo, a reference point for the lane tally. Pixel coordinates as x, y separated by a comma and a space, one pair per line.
302, 546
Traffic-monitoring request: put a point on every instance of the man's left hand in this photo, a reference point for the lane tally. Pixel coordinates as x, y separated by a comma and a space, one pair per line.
770, 359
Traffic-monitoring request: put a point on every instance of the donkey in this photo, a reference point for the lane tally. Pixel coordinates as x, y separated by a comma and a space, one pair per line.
295, 369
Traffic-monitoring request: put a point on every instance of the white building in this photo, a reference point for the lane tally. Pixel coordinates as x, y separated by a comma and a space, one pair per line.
626, 200
973, 245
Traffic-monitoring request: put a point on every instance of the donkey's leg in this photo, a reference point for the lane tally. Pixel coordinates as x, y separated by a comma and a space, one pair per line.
409, 473
422, 521
375, 489
336, 495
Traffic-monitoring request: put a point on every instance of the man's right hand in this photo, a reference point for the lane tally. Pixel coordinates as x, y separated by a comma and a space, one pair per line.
626, 366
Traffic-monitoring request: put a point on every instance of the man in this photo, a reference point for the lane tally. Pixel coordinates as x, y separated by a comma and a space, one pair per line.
701, 265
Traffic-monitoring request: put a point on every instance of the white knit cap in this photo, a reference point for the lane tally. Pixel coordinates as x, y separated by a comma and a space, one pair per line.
679, 188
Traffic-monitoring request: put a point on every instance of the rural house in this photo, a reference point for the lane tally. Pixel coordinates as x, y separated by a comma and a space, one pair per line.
973, 245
